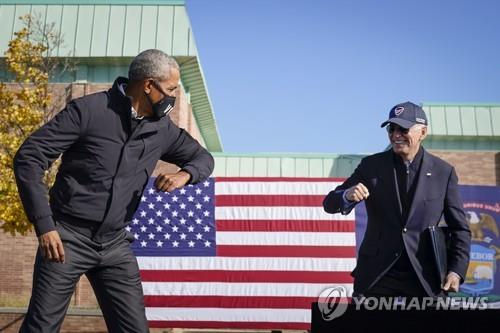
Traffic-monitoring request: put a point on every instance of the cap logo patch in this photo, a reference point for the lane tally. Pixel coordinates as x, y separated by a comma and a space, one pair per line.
420, 120
398, 110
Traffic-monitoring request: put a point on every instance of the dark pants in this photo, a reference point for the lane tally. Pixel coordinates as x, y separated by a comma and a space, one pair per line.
112, 271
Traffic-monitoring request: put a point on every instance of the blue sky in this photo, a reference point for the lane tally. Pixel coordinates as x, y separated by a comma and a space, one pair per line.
321, 75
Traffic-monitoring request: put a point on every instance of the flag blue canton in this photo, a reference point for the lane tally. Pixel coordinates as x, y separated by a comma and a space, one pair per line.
179, 223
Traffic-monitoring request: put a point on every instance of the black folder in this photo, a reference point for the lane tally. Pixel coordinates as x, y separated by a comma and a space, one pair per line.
438, 237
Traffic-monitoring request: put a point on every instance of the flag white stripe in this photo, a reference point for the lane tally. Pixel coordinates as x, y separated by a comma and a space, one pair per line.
272, 188
247, 264
277, 213
229, 315
286, 238
239, 289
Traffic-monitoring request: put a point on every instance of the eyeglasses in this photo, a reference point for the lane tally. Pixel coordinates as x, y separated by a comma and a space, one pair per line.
392, 127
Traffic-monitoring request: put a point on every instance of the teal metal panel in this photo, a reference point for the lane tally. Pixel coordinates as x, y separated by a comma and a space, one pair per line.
39, 11
495, 120
115, 71
468, 120
84, 30
288, 167
20, 11
220, 167
301, 167
437, 121
246, 167
316, 167
328, 167
273, 167
483, 117
116, 31
260, 166
180, 37
454, 125
98, 2
100, 29
7, 18
132, 30
53, 16
148, 27
68, 25
233, 166
165, 28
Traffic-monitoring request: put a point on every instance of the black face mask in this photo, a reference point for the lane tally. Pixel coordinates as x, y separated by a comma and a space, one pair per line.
163, 106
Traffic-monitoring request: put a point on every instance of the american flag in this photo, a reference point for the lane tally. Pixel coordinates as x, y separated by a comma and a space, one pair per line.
240, 252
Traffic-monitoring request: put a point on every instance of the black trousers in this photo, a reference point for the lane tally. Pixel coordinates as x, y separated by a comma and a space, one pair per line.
112, 271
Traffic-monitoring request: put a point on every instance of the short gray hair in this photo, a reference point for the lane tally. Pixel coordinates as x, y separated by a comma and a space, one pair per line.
153, 64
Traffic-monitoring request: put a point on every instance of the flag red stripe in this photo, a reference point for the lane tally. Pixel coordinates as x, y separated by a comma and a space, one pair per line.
277, 179
286, 225
286, 251
228, 324
230, 302
269, 200
244, 276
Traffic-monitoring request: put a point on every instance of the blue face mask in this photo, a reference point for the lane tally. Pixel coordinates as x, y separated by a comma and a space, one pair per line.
163, 106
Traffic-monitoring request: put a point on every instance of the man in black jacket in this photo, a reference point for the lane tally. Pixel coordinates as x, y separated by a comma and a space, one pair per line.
406, 190
110, 143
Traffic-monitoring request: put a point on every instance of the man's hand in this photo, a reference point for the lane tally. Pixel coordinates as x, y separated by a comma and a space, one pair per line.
452, 282
171, 181
51, 246
357, 193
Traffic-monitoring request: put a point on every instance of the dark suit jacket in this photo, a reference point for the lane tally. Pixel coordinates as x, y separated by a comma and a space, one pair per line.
436, 195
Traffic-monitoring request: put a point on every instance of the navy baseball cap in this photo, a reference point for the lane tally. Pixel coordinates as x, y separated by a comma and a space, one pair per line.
406, 115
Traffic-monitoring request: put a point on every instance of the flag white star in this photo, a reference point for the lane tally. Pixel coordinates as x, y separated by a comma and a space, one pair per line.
175, 228
182, 205
151, 221
183, 191
167, 236
151, 191
143, 243
127, 228
166, 206
206, 228
151, 236
198, 191
159, 228
159, 243
136, 235
175, 198
183, 236
143, 213
190, 213
206, 213
151, 206
143, 228
190, 198
175, 244
206, 198
158, 213
166, 221
198, 221
191, 244
190, 228
183, 221
135, 221
207, 244
158, 198
198, 206
199, 236
175, 213
143, 199
206, 183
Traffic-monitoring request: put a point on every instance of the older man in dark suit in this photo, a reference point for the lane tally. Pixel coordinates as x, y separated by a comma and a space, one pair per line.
406, 190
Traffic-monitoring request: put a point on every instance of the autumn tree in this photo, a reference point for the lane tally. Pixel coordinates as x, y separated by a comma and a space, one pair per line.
26, 102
